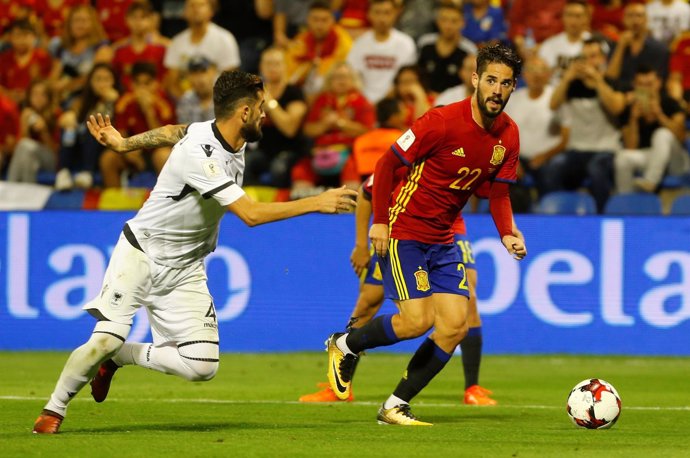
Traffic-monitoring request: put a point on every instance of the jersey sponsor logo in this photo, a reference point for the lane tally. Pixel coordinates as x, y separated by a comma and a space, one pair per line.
406, 140
497, 156
459, 152
422, 279
374, 62
212, 169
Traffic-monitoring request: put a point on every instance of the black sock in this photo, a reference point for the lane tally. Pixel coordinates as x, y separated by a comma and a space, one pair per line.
376, 333
471, 347
427, 361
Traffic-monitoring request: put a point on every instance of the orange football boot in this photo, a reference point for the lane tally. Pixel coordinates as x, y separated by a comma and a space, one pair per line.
478, 396
48, 422
325, 394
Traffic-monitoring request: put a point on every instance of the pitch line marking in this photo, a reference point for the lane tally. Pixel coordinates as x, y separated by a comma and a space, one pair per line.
362, 403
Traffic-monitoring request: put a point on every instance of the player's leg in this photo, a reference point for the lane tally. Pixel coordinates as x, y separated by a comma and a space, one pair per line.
344, 348
124, 283
471, 347
368, 303
184, 326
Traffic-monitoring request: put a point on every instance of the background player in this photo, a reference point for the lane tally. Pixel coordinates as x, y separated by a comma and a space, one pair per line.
450, 152
158, 260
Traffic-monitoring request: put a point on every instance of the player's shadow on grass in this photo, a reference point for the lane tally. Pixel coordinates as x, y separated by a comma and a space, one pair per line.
189, 427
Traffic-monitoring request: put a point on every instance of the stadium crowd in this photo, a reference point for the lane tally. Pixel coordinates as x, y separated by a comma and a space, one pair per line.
603, 103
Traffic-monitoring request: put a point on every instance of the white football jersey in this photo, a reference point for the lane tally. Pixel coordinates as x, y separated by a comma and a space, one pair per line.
179, 222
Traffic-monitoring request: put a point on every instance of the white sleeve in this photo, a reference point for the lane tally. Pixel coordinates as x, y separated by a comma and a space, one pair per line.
172, 55
208, 178
230, 56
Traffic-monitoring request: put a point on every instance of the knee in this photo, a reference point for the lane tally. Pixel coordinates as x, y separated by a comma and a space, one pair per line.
203, 371
104, 345
662, 136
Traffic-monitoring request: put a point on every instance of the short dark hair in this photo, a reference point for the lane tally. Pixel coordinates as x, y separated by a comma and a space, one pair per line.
144, 67
599, 41
386, 109
320, 5
498, 54
644, 69
232, 88
22, 24
139, 6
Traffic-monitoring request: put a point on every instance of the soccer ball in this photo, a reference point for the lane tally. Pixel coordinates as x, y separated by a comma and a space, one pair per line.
594, 404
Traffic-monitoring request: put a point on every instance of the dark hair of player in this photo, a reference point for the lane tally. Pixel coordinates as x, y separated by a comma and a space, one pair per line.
498, 54
234, 88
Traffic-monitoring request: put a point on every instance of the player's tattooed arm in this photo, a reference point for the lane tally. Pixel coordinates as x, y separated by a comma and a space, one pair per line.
103, 131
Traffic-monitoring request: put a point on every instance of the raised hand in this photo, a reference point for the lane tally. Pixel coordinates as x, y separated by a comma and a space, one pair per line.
104, 132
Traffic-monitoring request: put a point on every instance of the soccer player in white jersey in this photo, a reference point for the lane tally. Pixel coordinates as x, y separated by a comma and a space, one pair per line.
158, 260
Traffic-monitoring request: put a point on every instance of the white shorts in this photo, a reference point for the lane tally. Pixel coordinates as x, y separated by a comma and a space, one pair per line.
179, 305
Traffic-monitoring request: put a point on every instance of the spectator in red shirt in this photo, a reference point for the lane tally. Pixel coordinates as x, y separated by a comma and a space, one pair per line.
143, 108
533, 21
23, 62
410, 88
678, 84
137, 47
54, 14
9, 128
112, 15
339, 114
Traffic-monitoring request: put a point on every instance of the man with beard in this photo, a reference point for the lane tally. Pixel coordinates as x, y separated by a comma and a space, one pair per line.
158, 260
450, 152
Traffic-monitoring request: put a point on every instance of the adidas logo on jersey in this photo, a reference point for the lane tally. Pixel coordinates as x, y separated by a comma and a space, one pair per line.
459, 152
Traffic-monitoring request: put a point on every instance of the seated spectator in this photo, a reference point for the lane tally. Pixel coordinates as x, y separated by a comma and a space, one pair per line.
79, 151
53, 14
441, 53
607, 17
289, 18
378, 54
541, 134
588, 105
484, 23
202, 37
82, 44
196, 104
282, 143
678, 83
559, 50
340, 114
137, 46
369, 147
9, 129
113, 15
653, 135
636, 47
465, 88
410, 88
23, 62
39, 135
531, 22
143, 108
668, 19
312, 54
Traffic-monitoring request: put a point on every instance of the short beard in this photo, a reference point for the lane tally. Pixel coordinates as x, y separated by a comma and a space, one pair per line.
485, 111
251, 133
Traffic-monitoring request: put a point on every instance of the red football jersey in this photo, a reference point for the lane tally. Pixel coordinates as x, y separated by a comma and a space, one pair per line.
15, 76
353, 106
449, 156
130, 119
126, 56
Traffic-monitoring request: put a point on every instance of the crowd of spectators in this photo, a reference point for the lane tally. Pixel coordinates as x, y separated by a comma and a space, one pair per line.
602, 104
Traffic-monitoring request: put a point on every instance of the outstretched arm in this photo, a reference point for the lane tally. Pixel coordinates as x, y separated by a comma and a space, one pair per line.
104, 132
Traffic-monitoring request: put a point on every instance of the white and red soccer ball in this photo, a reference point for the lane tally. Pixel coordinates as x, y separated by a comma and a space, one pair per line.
594, 404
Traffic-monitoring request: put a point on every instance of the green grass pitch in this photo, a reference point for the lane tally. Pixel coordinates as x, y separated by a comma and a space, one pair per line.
250, 409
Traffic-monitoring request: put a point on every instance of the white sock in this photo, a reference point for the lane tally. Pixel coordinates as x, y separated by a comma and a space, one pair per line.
80, 367
342, 345
393, 401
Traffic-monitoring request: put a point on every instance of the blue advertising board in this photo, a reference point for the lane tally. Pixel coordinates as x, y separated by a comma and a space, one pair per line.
591, 285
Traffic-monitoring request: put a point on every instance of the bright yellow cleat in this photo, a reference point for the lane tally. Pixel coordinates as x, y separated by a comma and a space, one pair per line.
340, 368
399, 415
326, 394
478, 396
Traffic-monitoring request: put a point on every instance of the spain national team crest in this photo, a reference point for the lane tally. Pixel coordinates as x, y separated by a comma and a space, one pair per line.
497, 156
422, 279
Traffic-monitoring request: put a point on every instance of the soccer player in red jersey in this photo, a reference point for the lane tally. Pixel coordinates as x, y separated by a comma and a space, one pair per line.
450, 152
